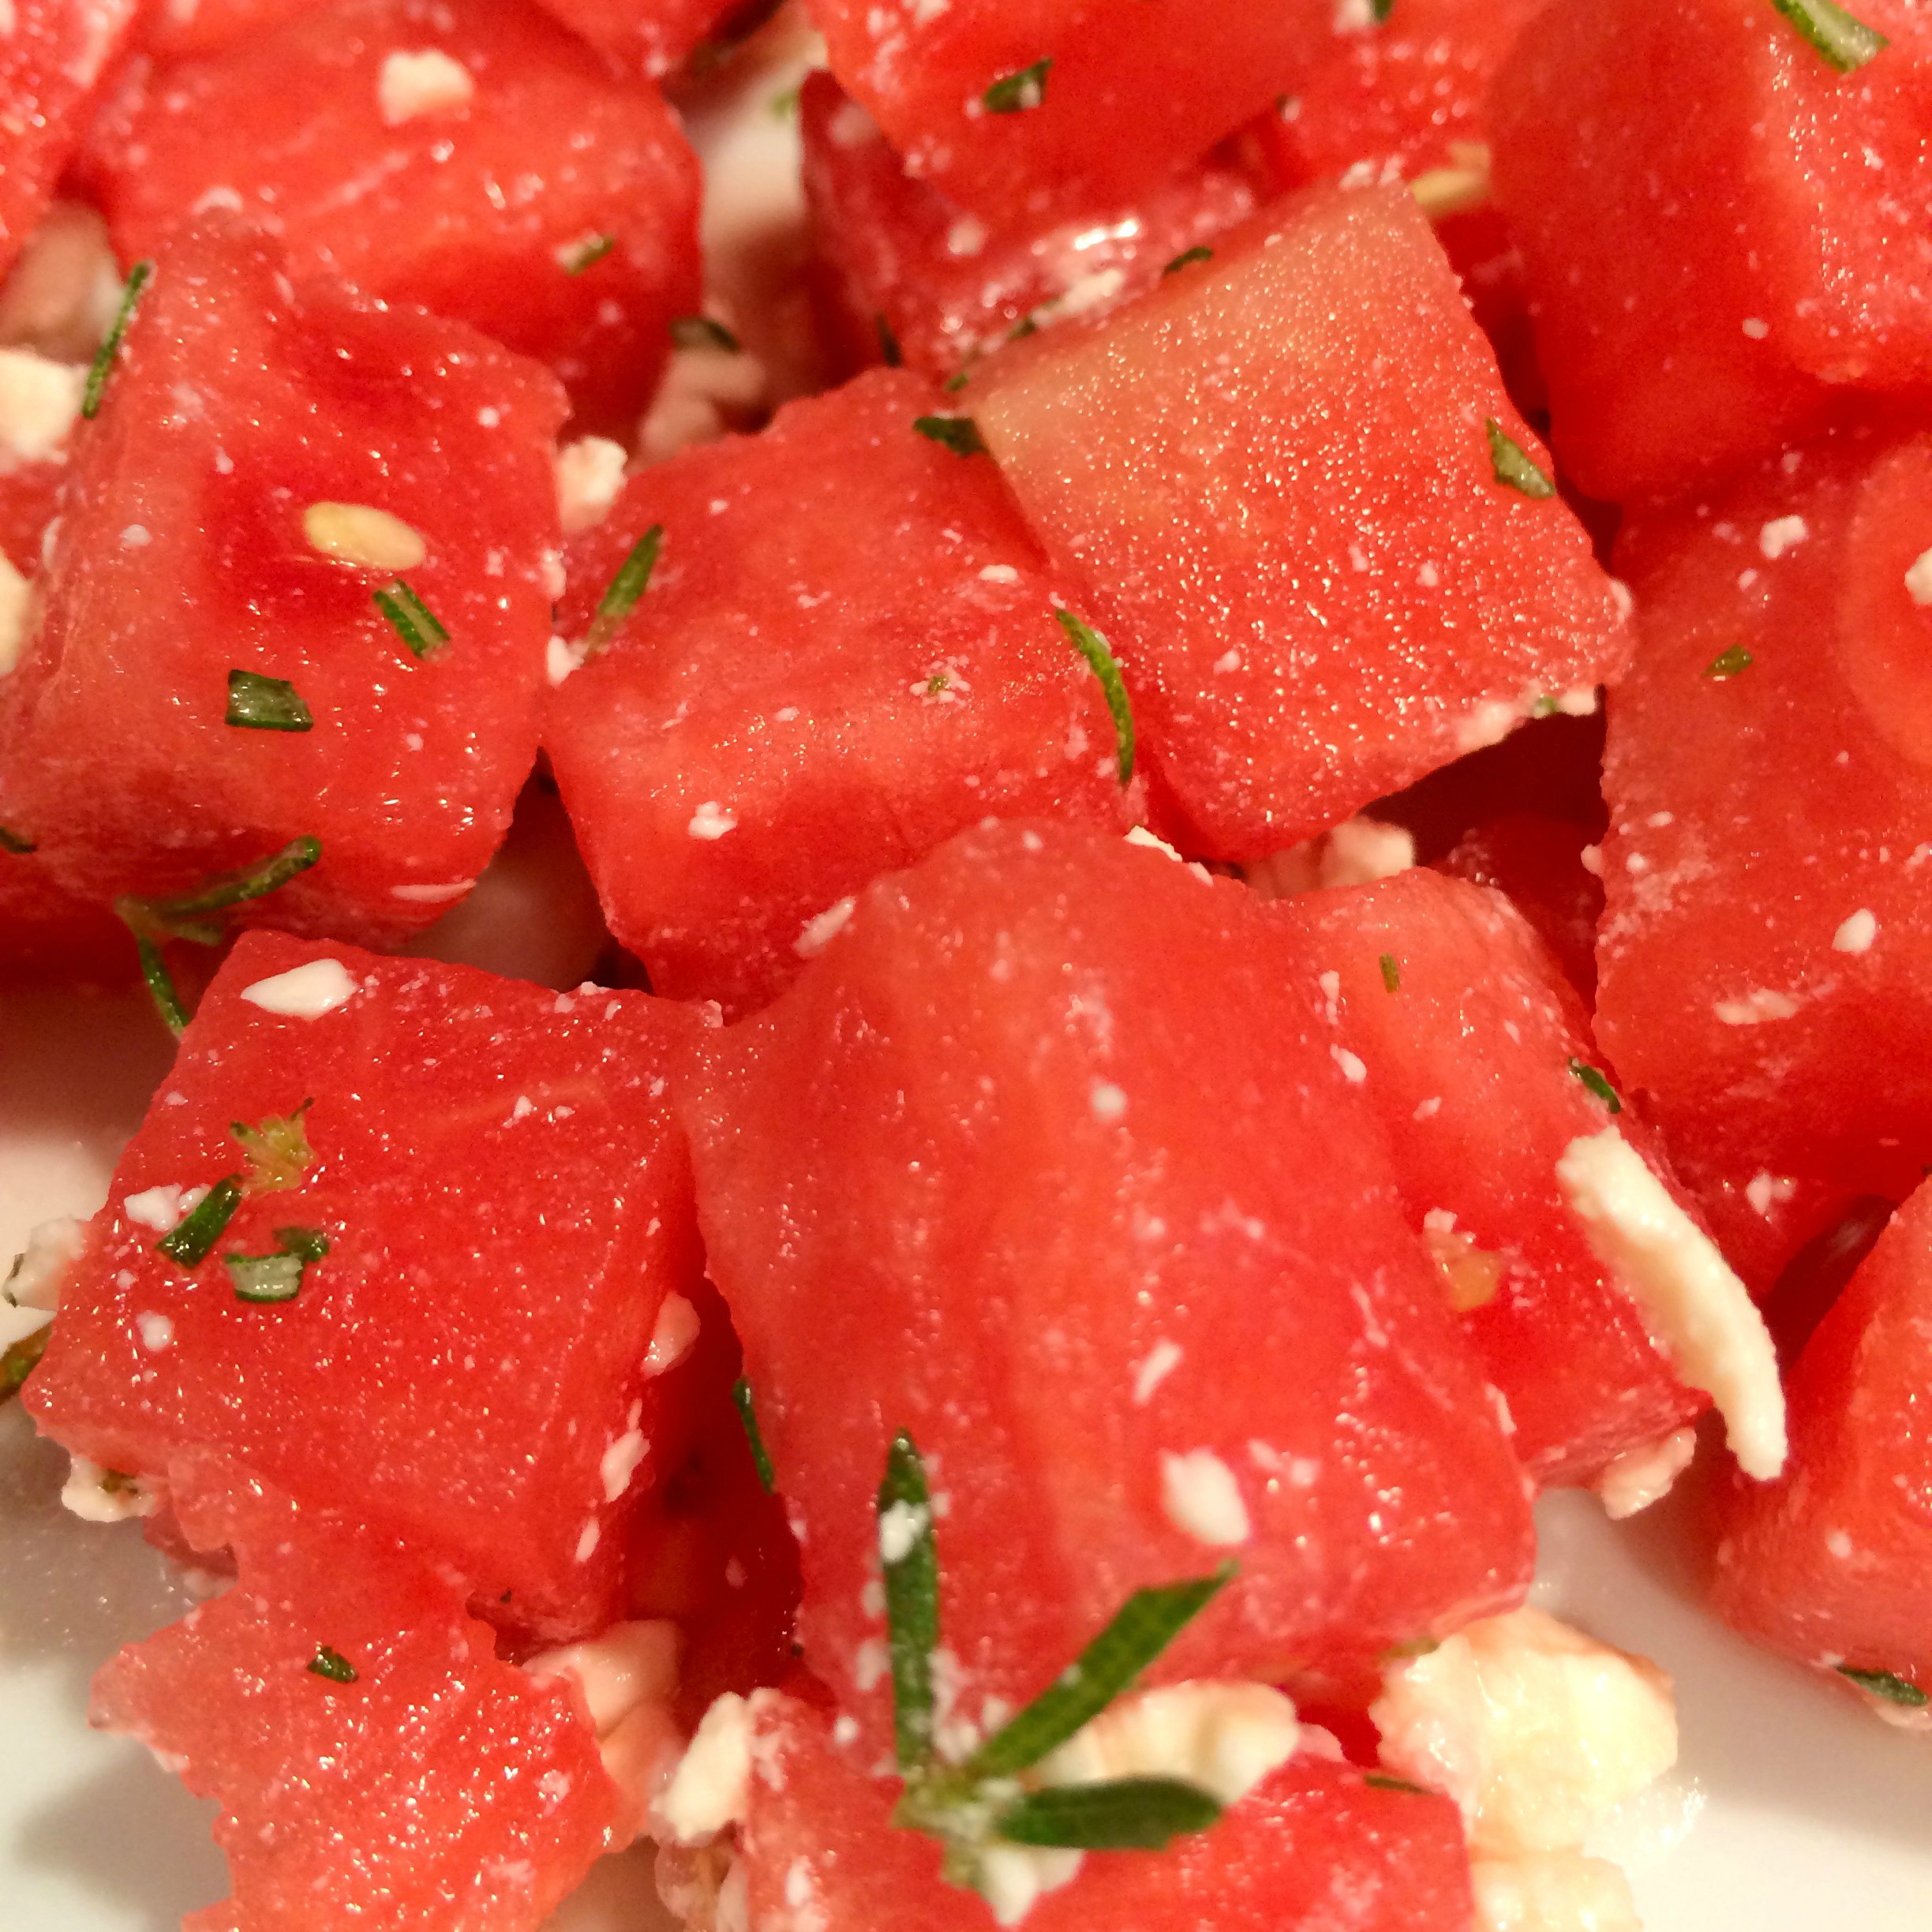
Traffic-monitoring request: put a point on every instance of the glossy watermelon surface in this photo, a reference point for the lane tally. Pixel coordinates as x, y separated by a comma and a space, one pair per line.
648, 37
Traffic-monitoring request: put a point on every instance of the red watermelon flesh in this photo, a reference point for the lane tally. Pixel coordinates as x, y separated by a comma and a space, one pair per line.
1043, 1162
1313, 1848
1464, 1035
507, 1203
173, 27
183, 555
440, 1788
1830, 1565
1274, 473
1766, 948
848, 651
1538, 864
1722, 233
643, 37
550, 206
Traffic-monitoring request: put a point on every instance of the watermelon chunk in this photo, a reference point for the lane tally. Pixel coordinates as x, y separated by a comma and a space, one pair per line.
469, 155
506, 1204
847, 652
240, 411
1314, 1848
646, 37
180, 27
1829, 1566
1031, 107
1475, 1053
910, 272
1538, 864
970, 1177
1766, 949
1274, 473
1723, 233
376, 1765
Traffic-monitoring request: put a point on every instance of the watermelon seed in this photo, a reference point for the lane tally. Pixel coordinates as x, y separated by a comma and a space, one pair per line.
1727, 664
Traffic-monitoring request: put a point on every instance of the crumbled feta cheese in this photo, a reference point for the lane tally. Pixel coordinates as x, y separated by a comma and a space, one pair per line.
39, 401
1356, 852
590, 473
673, 1335
1765, 1191
156, 1332
1354, 1069
304, 992
1857, 933
87, 1494
1536, 1731
40, 1270
587, 1539
1552, 1892
1012, 1878
705, 392
1780, 534
1756, 328
709, 1791
620, 1462
364, 535
1202, 1499
1640, 1477
1918, 580
1755, 1008
899, 1528
1106, 1102
822, 928
711, 820
1223, 1735
999, 573
1692, 1303
410, 86
15, 597
1139, 835
561, 657
1162, 1359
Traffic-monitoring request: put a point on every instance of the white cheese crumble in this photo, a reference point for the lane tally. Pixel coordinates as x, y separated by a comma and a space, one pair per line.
1354, 1070
1765, 1190
672, 1335
1691, 1301
1780, 534
1552, 1892
156, 1207
1162, 1359
620, 1462
1222, 1736
410, 86
561, 658
1012, 1879
304, 992
1356, 852
587, 1539
1918, 580
822, 928
1536, 1730
1106, 1102
156, 1332
1857, 933
364, 535
708, 1790
1202, 1499
1755, 1008
15, 596
1631, 1482
616, 1670
590, 473
712, 820
1756, 328
899, 1528
85, 1493
39, 401
40, 1270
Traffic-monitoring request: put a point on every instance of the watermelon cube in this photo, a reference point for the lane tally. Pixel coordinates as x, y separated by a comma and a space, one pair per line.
1766, 950
909, 273
1829, 1566
1475, 1053
47, 933
212, 675
1028, 108
1538, 863
847, 650
1044, 1161
469, 155
182, 27
1314, 1848
643, 37
1726, 228
457, 1210
1316, 531
375, 1764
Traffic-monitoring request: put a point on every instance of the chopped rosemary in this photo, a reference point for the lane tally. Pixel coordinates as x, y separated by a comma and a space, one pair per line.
1381, 1781
332, 1664
411, 618
12, 842
1845, 41
259, 703
1197, 254
278, 1149
960, 434
1727, 664
138, 278
632, 580
956, 381
1391, 973
191, 1240
890, 353
1381, 9
276, 1277
699, 331
1119, 1815
1017, 93
1512, 466
1884, 1684
911, 1563
1544, 707
19, 1361
1595, 1081
748, 1414
587, 253
1093, 647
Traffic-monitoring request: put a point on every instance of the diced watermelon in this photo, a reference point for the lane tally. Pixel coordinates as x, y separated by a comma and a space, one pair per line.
848, 651
173, 28
1830, 1565
434, 1788
185, 556
1275, 473
647, 37
45, 933
1031, 108
507, 1206
1722, 231
969, 1177
1467, 1041
908, 269
51, 56
468, 154
1767, 951
1537, 864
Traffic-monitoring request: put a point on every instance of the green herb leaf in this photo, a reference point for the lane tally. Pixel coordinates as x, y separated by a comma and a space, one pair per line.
748, 1414
1512, 465
587, 253
1381, 9
1391, 973
1543, 707
1381, 1781
161, 987
890, 353
264, 1278
332, 1664
1845, 41
1144, 1626
306, 1243
699, 331
277, 1147
955, 382
1122, 1814
1017, 93
960, 434
411, 618
1595, 1081
192, 1239
632, 580
12, 842
1197, 254
911, 1563
1884, 1684
785, 107
1093, 647
234, 888
138, 278
19, 1361
259, 703
1727, 664
1026, 326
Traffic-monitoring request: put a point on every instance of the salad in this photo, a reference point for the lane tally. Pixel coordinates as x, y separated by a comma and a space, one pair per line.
950, 982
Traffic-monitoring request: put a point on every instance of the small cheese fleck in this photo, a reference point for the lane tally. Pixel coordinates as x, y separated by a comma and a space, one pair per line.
411, 86
1106, 1102
1631, 1482
1857, 934
711, 820
1012, 1878
364, 535
1756, 328
672, 1335
1918, 580
709, 1791
1224, 1736
40, 403
1756, 1006
704, 393
98, 1495
616, 1670
1354, 1070
156, 1207
1699, 1310
41, 1269
620, 1461
822, 928
156, 1330
899, 1528
589, 474
304, 992
1162, 1359
1780, 534
1552, 1892
1203, 1500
